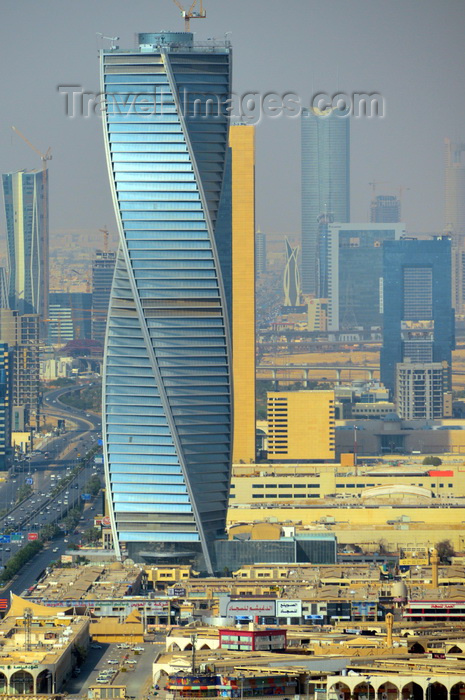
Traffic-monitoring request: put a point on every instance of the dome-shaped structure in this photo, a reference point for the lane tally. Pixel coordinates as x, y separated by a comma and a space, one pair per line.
390, 417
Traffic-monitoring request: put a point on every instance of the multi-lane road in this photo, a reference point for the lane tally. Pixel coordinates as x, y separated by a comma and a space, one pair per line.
45, 469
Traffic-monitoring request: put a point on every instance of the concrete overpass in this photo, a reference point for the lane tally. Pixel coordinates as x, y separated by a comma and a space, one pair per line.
301, 373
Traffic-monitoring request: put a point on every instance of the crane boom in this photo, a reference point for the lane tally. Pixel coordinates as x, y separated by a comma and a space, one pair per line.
43, 156
191, 13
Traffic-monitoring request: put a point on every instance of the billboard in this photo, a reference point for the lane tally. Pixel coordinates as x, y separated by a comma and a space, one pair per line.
31, 536
288, 608
237, 608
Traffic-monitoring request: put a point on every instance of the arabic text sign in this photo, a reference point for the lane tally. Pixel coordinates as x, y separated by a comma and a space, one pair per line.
288, 608
251, 607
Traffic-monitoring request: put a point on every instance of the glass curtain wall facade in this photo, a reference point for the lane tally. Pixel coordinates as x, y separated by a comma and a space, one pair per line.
418, 316
103, 267
325, 164
167, 390
26, 209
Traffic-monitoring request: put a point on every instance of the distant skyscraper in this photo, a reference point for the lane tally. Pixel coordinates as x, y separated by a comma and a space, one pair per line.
103, 267
418, 315
325, 183
291, 282
5, 406
454, 214
323, 267
4, 304
26, 208
385, 209
69, 316
355, 264
167, 409
242, 143
260, 253
21, 333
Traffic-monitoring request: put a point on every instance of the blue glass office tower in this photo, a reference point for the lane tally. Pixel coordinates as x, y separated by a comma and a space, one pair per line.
325, 163
418, 315
26, 208
167, 389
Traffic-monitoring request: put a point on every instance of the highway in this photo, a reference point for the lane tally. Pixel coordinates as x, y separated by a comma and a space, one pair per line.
45, 468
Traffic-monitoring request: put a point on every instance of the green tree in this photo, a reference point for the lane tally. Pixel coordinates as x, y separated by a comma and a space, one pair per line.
49, 531
94, 485
432, 461
23, 492
18, 560
92, 534
445, 551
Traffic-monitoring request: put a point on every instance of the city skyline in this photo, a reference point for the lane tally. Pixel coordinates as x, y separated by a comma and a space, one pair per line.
404, 148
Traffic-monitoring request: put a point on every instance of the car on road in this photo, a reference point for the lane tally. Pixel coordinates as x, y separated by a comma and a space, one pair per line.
55, 550
94, 645
132, 661
138, 648
112, 661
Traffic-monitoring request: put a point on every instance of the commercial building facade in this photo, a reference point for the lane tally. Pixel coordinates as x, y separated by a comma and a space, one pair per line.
385, 209
355, 273
69, 316
260, 253
454, 217
301, 425
26, 208
325, 163
418, 319
242, 154
166, 398
420, 388
21, 333
103, 267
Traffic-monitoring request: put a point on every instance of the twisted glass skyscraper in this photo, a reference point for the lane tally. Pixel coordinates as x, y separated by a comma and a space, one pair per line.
166, 394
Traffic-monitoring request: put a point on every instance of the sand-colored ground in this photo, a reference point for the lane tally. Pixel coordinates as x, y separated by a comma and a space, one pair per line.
353, 359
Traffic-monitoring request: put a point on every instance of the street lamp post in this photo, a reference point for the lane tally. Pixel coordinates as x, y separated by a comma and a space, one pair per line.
428, 694
368, 678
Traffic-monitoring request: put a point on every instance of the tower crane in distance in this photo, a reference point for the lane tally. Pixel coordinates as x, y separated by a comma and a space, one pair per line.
191, 13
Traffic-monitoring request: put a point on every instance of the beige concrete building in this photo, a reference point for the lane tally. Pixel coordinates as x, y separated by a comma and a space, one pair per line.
242, 143
399, 505
39, 648
301, 425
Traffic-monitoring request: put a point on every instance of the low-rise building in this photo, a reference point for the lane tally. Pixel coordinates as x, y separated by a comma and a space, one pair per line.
39, 648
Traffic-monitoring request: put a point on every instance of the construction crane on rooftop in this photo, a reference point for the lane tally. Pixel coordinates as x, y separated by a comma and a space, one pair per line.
191, 13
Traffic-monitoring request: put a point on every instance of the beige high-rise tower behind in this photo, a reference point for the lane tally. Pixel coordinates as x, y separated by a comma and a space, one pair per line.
454, 223
242, 143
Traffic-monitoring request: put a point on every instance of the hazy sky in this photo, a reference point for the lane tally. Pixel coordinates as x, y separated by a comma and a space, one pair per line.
409, 51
